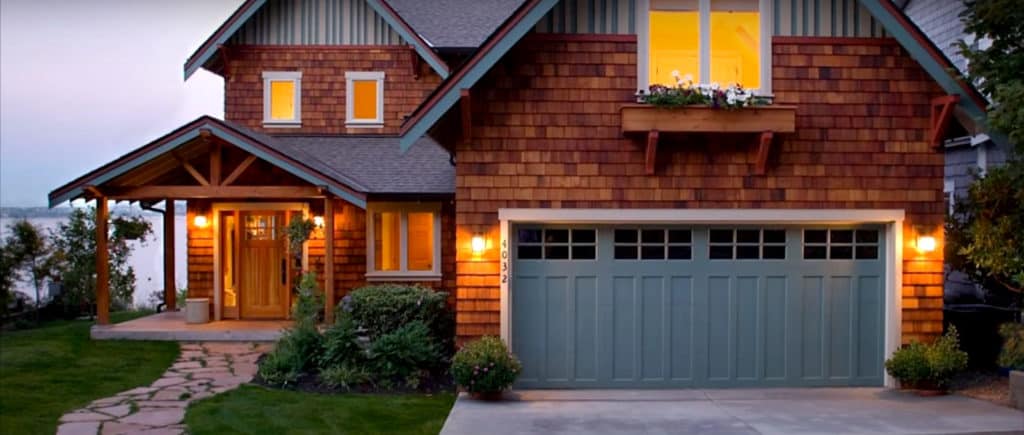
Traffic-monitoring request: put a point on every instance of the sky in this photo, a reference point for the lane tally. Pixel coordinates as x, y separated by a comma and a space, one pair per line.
83, 82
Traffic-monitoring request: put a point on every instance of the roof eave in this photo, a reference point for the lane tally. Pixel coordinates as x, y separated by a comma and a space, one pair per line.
205, 51
410, 36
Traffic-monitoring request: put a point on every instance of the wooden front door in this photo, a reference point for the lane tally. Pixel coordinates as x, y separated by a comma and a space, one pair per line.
263, 266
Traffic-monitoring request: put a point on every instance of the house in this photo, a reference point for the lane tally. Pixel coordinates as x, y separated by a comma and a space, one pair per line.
495, 149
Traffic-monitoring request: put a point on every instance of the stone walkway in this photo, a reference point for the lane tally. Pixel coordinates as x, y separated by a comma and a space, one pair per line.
202, 370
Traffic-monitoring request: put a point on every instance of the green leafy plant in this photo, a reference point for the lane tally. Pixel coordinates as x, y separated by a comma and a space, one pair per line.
341, 345
298, 231
685, 93
919, 365
345, 376
405, 355
909, 364
1012, 354
309, 300
381, 309
279, 368
34, 254
299, 347
485, 366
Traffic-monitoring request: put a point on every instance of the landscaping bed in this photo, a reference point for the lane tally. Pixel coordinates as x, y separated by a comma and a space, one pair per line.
990, 386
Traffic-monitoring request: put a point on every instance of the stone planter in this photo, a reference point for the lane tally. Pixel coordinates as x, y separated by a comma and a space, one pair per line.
1017, 389
197, 310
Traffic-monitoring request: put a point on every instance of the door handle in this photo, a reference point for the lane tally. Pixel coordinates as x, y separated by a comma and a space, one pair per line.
284, 271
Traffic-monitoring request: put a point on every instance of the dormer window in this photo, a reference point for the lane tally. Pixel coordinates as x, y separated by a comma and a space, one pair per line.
706, 41
364, 99
282, 98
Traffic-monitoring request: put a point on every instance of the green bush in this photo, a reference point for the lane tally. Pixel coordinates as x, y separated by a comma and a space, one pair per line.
278, 368
404, 355
345, 376
341, 345
299, 348
485, 366
1012, 355
309, 301
932, 366
382, 309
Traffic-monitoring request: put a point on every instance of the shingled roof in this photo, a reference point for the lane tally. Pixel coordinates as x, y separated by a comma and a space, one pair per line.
455, 23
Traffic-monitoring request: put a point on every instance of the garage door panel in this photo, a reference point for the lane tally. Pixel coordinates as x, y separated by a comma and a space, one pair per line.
529, 334
680, 317
840, 318
653, 334
774, 327
720, 313
625, 333
869, 323
811, 300
586, 329
557, 343
747, 352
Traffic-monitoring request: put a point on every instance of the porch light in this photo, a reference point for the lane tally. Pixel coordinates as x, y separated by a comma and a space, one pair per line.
925, 244
318, 221
200, 221
478, 244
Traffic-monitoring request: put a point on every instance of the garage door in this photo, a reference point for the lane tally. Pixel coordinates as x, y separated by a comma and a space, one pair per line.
697, 306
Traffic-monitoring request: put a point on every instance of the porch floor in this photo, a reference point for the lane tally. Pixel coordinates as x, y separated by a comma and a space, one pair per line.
171, 326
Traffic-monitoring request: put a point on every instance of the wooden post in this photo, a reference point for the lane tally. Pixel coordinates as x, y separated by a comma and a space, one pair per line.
170, 289
102, 264
329, 260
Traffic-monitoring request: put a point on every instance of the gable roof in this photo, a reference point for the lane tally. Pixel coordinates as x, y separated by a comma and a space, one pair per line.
208, 49
455, 23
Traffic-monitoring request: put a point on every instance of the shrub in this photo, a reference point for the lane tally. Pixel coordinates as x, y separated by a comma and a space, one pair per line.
309, 302
278, 368
382, 309
945, 359
299, 347
404, 355
909, 364
341, 345
485, 366
345, 376
1012, 355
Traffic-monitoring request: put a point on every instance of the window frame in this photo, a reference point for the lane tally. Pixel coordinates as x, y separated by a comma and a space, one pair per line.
350, 78
280, 76
704, 7
403, 273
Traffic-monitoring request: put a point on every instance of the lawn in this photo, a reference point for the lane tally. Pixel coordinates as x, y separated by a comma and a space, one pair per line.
47, 371
253, 409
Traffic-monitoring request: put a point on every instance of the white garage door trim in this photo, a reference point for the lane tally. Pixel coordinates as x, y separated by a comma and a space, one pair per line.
892, 218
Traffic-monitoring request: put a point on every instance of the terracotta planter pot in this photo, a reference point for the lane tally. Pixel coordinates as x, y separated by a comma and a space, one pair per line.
487, 396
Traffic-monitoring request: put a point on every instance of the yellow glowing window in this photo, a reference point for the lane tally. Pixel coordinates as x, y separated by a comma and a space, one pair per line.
736, 48
405, 240
675, 46
364, 100
421, 241
386, 241
282, 100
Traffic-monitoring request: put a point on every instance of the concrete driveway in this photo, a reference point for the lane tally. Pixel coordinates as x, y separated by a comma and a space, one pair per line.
830, 411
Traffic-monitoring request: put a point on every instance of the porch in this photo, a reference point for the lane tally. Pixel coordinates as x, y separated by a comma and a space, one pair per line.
171, 326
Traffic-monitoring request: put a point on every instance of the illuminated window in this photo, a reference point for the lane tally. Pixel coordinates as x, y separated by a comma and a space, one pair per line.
282, 97
707, 41
364, 99
406, 241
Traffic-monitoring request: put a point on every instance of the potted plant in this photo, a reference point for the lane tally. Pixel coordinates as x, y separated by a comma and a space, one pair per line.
485, 368
1012, 358
928, 368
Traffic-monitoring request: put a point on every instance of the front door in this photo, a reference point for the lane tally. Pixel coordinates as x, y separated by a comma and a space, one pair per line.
263, 266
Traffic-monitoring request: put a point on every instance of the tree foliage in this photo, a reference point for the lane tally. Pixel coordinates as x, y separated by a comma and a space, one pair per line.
33, 255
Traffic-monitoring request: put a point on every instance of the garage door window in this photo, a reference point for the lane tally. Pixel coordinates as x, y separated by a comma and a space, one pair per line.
653, 244
557, 244
747, 244
840, 244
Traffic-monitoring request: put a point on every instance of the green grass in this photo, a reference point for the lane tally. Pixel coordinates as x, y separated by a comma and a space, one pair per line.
47, 371
253, 409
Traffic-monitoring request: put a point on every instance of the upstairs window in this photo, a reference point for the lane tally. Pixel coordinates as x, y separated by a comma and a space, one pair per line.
364, 99
706, 41
282, 96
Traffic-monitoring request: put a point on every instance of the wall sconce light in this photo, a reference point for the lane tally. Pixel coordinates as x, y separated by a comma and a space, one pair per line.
200, 221
478, 244
318, 221
925, 244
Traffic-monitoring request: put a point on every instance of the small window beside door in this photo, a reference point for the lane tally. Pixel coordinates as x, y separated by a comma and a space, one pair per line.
364, 99
282, 98
404, 241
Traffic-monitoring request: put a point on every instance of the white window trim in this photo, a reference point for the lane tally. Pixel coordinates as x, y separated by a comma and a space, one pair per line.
893, 248
644, 40
402, 274
350, 119
269, 76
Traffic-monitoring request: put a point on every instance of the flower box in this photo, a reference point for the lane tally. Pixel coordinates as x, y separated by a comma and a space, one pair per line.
644, 118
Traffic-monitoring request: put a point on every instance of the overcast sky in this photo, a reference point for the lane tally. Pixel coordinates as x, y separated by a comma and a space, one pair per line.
85, 81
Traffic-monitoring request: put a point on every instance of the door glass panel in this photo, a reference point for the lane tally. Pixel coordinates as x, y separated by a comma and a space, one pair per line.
228, 259
652, 252
679, 252
386, 240
556, 252
421, 241
584, 252
721, 236
261, 227
556, 236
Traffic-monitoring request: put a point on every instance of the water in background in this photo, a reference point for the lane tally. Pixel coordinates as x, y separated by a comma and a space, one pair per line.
147, 259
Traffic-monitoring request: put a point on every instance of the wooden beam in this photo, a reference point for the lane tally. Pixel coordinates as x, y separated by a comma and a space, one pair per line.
191, 170
102, 264
329, 260
764, 148
93, 191
941, 113
237, 172
652, 151
170, 288
226, 192
466, 106
215, 155
415, 63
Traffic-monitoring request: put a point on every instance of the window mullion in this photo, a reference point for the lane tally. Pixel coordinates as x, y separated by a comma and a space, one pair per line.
403, 240
705, 41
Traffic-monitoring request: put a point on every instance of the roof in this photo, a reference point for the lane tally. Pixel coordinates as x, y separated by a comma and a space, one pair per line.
455, 23
348, 167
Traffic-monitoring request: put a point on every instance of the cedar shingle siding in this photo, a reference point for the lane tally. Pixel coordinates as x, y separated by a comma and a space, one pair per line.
546, 135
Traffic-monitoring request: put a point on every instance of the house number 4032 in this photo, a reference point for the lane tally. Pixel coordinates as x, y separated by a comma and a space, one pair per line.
504, 261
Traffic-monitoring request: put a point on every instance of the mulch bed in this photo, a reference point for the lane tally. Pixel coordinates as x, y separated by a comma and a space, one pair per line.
310, 383
990, 386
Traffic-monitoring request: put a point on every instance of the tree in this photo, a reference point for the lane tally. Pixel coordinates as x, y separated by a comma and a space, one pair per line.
33, 255
75, 244
8, 275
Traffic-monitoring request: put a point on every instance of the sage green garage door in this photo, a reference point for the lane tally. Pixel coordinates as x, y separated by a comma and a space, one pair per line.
596, 306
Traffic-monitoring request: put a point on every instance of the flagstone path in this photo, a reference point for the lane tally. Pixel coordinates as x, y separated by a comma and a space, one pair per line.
202, 370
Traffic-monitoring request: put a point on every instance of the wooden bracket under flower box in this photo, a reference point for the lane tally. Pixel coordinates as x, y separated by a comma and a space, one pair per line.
764, 120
